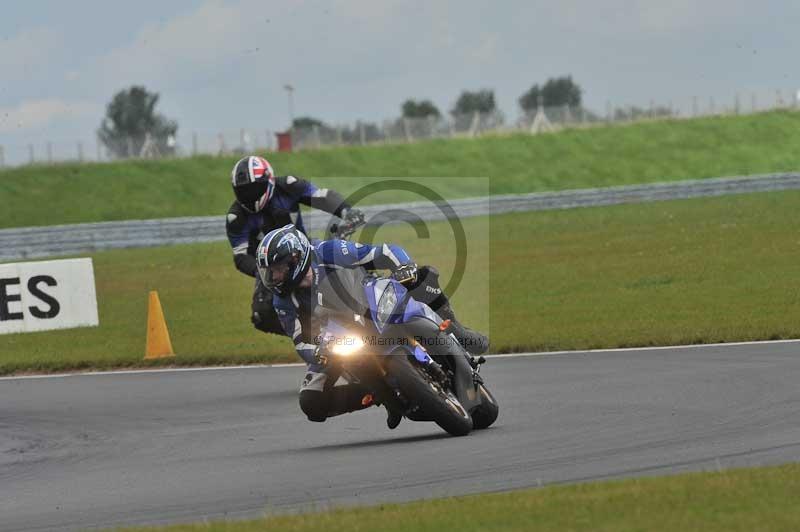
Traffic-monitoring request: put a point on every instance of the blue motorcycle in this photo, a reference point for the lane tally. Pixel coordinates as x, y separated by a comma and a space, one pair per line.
376, 334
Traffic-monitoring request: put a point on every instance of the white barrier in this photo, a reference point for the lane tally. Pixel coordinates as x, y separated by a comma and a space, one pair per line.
40, 296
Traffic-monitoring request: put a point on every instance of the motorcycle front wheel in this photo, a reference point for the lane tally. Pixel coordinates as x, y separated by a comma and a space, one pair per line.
419, 388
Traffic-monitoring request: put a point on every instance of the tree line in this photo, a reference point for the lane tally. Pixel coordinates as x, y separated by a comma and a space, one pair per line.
132, 127
555, 92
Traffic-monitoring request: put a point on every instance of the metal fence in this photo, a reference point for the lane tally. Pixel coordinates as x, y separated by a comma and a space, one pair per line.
404, 130
36, 242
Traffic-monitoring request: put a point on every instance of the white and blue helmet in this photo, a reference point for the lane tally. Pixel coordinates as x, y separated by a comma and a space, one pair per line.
283, 258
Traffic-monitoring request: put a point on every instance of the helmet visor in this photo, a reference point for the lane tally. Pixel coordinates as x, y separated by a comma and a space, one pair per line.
277, 274
251, 194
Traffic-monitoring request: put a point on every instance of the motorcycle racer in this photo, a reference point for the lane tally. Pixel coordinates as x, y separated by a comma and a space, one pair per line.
265, 202
293, 268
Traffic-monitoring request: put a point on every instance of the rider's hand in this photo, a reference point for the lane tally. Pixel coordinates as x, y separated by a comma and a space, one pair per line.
320, 355
353, 216
406, 274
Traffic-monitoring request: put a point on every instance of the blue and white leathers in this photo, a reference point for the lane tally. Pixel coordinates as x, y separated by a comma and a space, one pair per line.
295, 310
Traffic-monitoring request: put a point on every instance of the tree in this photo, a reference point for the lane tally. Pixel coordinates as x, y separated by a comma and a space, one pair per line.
481, 101
556, 92
131, 120
419, 109
306, 122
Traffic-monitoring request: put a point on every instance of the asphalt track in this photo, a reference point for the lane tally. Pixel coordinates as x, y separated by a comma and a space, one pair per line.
120, 449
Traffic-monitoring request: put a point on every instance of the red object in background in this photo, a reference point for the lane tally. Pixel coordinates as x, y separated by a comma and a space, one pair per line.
284, 141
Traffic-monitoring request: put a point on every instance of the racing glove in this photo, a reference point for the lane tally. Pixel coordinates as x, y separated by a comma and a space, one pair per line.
353, 216
405, 274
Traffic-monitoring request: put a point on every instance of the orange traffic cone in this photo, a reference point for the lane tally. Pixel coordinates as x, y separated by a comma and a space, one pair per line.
158, 344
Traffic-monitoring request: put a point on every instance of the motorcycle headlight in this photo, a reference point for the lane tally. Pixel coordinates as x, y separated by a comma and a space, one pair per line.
344, 346
386, 305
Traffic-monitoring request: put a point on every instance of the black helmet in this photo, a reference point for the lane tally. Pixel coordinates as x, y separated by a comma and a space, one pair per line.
253, 182
283, 258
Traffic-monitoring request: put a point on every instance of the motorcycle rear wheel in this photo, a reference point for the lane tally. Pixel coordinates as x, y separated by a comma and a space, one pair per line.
485, 413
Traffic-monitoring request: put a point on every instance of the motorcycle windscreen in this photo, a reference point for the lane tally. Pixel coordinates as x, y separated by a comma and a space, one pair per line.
341, 291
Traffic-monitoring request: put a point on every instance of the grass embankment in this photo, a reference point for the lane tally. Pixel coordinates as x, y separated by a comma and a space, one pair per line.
640, 153
743, 499
692, 271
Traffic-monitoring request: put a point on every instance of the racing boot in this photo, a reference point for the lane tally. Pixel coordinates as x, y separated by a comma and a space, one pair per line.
393, 419
473, 342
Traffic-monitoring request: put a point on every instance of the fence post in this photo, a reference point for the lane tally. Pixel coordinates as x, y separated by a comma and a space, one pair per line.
473, 128
80, 152
736, 105
194, 142
608, 112
361, 134
406, 130
31, 157
317, 140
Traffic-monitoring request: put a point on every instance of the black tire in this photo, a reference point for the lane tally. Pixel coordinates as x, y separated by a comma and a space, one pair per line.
417, 386
486, 413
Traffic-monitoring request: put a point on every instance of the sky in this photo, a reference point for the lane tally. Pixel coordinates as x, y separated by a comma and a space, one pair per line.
220, 66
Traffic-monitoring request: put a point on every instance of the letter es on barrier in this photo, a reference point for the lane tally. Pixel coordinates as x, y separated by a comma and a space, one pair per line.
7, 298
45, 295
35, 291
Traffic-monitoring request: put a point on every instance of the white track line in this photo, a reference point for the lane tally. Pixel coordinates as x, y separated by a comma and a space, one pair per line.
301, 364
651, 348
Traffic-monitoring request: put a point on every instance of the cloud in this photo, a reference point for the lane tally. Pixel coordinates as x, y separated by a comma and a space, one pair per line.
27, 51
184, 46
635, 18
38, 114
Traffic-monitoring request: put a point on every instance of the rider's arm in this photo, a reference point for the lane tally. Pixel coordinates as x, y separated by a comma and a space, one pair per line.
290, 321
305, 192
346, 254
237, 227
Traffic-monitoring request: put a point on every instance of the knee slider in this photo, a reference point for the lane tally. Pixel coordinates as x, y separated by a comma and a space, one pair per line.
313, 405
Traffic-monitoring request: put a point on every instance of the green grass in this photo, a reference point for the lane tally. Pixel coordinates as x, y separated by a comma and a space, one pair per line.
640, 153
743, 499
692, 271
